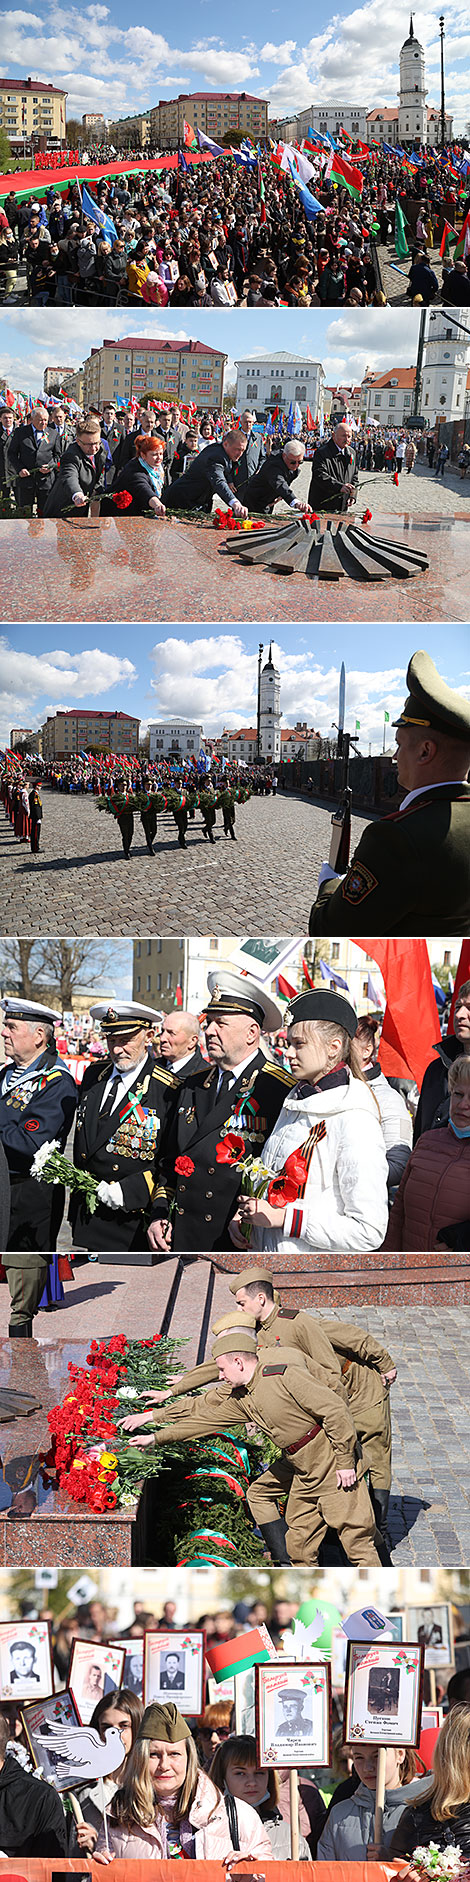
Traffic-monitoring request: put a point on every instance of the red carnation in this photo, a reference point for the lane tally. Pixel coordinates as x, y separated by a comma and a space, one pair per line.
184, 1166
231, 1149
122, 499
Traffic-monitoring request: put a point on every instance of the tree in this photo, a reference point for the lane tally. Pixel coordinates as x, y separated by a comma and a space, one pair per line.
52, 967
6, 152
442, 975
75, 132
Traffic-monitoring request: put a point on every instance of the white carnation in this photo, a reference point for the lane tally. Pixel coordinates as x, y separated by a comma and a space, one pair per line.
41, 1157
127, 1391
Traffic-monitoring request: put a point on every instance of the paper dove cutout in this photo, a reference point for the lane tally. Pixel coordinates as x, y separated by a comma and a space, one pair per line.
364, 1624
81, 1753
303, 1639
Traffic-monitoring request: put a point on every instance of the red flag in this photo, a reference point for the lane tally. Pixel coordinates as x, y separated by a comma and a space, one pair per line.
308, 977
463, 973
284, 987
411, 1023
310, 422
179, 996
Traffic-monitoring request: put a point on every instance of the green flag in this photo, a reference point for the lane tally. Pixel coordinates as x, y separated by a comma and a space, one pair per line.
387, 718
358, 725
401, 245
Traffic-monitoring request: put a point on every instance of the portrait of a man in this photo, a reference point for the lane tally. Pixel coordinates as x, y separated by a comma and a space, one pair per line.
294, 1720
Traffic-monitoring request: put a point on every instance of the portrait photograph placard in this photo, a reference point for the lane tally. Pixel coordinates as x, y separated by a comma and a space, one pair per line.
174, 1669
25, 1660
133, 1670
60, 1710
432, 1627
396, 1625
383, 1695
95, 1670
293, 1712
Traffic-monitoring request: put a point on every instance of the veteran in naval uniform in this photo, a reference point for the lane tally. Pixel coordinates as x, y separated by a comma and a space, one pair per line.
287, 1398
122, 1108
241, 1092
352, 1361
38, 1097
410, 874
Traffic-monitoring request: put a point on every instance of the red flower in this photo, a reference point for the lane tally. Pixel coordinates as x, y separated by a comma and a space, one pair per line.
296, 1168
231, 1149
367, 517
396, 479
122, 499
184, 1166
281, 1191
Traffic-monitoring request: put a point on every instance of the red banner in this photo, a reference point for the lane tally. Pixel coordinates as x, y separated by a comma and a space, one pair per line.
31, 1869
25, 181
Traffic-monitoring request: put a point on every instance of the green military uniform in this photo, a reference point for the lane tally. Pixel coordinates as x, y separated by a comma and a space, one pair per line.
310, 1424
411, 872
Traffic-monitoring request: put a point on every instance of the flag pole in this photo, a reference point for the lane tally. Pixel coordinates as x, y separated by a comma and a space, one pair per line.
294, 1814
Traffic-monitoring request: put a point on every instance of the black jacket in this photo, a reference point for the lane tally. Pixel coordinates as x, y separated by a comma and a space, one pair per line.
7, 470
207, 477
206, 1198
331, 469
247, 465
77, 473
134, 478
32, 1817
4, 1198
29, 452
271, 483
417, 1827
197, 1063
122, 1149
33, 1114
433, 1108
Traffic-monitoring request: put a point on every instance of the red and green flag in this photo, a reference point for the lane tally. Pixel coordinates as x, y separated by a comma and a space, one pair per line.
346, 175
189, 138
449, 235
236, 1656
462, 246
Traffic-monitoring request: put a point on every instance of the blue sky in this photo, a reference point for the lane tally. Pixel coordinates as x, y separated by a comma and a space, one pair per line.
211, 677
114, 60
346, 343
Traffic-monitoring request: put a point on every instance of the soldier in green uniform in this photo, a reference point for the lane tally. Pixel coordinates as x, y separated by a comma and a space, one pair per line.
148, 818
240, 1093
410, 874
122, 1108
287, 1399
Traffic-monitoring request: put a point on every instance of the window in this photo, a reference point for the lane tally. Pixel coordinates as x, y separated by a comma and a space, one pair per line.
169, 981
138, 950
149, 983
159, 983
378, 398
335, 951
149, 947
391, 398
159, 947
137, 983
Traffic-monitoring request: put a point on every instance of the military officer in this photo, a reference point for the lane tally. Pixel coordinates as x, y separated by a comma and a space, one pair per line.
287, 1398
122, 1107
240, 1093
148, 818
410, 874
38, 1098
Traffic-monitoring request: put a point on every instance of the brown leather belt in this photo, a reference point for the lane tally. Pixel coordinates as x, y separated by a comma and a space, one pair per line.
292, 1448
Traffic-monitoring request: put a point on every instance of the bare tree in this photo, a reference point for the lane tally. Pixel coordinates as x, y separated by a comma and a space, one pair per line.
50, 965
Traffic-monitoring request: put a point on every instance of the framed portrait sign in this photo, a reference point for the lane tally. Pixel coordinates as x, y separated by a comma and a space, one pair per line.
95, 1670
396, 1625
432, 1627
25, 1660
383, 1696
133, 1669
60, 1710
293, 1712
174, 1669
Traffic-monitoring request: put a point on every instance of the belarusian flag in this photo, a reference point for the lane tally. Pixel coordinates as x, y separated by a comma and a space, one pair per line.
346, 175
401, 245
236, 1656
189, 139
449, 235
462, 246
284, 989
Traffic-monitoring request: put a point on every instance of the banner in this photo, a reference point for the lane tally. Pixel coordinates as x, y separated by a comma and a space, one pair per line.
31, 1869
37, 182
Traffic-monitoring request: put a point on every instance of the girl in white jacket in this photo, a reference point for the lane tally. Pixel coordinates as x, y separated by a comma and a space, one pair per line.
338, 1201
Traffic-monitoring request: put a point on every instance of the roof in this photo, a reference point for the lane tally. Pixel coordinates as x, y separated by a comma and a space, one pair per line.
214, 97
276, 359
403, 376
383, 111
82, 712
30, 84
164, 346
246, 731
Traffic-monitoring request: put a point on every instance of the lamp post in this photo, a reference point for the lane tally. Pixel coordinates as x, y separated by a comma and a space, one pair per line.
258, 721
443, 105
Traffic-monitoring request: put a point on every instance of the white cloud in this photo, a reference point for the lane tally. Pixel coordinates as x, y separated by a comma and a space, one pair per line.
216, 678
56, 676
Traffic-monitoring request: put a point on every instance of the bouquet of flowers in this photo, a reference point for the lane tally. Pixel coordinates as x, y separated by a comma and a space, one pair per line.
445, 1864
50, 1166
258, 1180
90, 1456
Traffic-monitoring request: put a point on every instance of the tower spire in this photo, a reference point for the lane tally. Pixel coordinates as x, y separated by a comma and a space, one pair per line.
411, 26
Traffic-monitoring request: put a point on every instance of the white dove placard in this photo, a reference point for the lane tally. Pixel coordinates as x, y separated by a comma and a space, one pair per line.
81, 1755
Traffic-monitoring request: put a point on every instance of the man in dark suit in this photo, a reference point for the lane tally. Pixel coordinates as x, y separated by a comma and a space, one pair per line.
250, 462
172, 1679
241, 1092
7, 428
333, 479
122, 1107
178, 1046
35, 457
272, 482
209, 475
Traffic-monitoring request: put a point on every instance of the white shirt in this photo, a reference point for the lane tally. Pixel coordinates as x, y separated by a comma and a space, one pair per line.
122, 1081
429, 787
235, 1071
176, 1065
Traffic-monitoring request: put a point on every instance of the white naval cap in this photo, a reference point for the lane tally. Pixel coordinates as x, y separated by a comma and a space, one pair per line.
236, 993
31, 1010
124, 1015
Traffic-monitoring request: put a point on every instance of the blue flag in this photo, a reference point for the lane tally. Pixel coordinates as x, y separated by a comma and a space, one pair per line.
310, 203
103, 221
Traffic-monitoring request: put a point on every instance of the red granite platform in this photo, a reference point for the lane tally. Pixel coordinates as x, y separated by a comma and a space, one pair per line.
37, 1522
129, 569
376, 1279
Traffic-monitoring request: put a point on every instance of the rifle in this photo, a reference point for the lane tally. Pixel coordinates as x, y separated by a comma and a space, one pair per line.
340, 842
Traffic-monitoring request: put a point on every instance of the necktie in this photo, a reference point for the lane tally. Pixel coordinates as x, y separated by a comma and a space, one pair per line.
224, 1086
110, 1101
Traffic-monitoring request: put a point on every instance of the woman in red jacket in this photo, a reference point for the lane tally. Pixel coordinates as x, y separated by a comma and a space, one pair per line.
432, 1207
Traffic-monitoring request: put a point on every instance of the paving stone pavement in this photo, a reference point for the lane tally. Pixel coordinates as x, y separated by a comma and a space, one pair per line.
81, 883
420, 494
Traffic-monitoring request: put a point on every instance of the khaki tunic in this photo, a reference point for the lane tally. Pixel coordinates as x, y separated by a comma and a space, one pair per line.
286, 1399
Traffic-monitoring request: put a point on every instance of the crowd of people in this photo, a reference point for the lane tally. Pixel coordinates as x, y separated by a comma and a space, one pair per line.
211, 236
128, 789
194, 1787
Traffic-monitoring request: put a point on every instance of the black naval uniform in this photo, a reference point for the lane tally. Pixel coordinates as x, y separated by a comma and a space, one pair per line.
207, 1199
410, 873
34, 1110
119, 1146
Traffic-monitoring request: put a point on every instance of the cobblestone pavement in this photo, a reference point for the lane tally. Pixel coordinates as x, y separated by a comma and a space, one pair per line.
419, 494
395, 284
81, 884
429, 1518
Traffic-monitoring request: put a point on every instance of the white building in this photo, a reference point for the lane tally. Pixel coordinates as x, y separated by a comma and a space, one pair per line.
270, 711
279, 379
410, 121
412, 114
334, 118
177, 739
387, 397
446, 362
